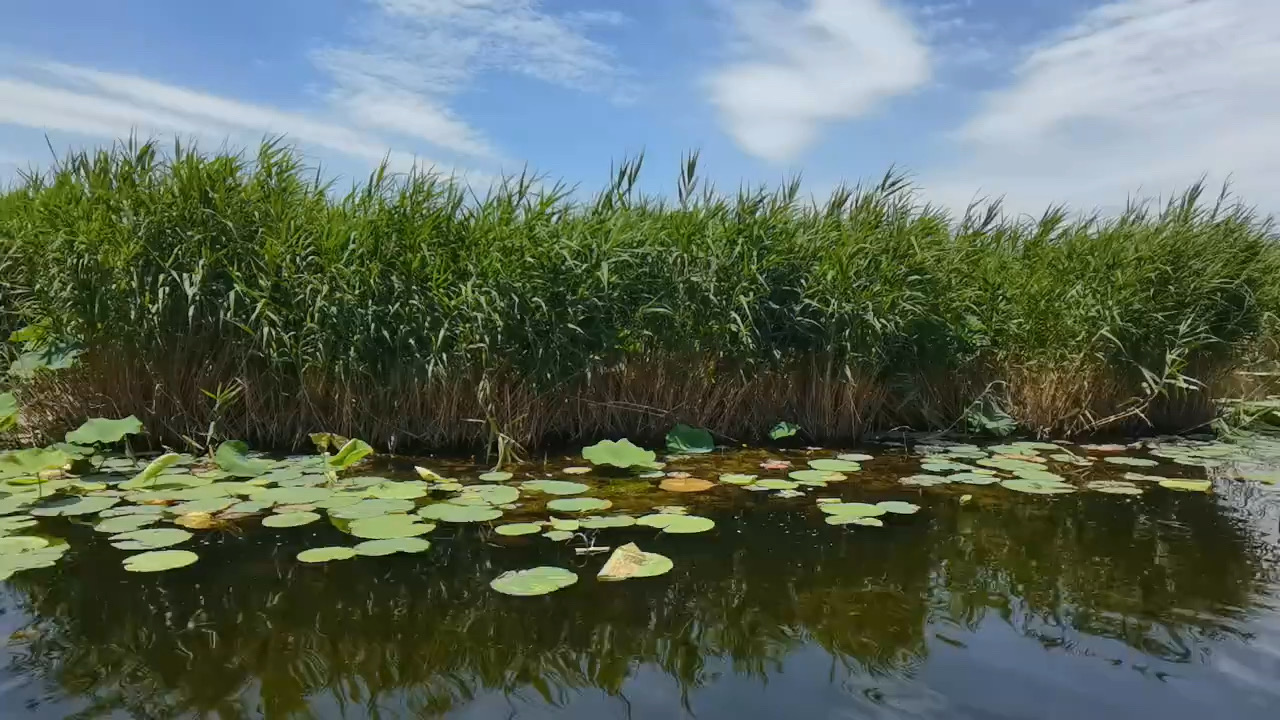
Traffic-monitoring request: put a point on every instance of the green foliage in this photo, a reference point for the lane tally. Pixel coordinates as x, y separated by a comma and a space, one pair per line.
233, 457
683, 439
8, 412
621, 454
101, 431
783, 430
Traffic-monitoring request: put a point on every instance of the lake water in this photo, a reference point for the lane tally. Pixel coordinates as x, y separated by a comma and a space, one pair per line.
1007, 606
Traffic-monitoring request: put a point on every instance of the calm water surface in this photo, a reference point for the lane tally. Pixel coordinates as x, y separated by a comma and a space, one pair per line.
1009, 606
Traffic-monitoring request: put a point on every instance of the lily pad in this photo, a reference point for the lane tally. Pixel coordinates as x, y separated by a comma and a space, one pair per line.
737, 479
557, 535
101, 431
451, 513
292, 519
855, 457
576, 470
620, 454
326, 554
371, 508
232, 457
846, 519
389, 526
1038, 487
1187, 485
292, 495
84, 505
125, 523
554, 487
496, 476
689, 440
159, 560
389, 546
150, 539
579, 505
688, 524
516, 529
925, 480
21, 543
488, 494
973, 478
686, 485
852, 508
898, 507
1114, 487
1130, 461
207, 505
783, 430
834, 465
535, 581
775, 484
629, 562
822, 476
612, 521
564, 524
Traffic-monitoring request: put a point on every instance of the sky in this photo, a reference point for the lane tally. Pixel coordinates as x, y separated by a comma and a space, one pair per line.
1041, 102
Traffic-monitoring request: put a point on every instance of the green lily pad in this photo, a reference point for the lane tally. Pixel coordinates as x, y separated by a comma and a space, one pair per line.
150, 539
855, 457
292, 495
772, 484
496, 476
451, 513
612, 521
690, 440
389, 526
207, 505
351, 453
688, 524
834, 465
620, 454
292, 519
101, 431
232, 457
125, 523
84, 505
397, 491
132, 510
558, 535
1039, 474
488, 494
389, 546
563, 524
579, 505
847, 519
852, 508
14, 544
1011, 465
1187, 485
783, 430
535, 581
1114, 487
1130, 461
630, 562
1038, 487
925, 480
371, 508
554, 487
17, 522
822, 476
159, 560
16, 504
969, 478
248, 507
945, 466
737, 479
515, 529
898, 507
326, 554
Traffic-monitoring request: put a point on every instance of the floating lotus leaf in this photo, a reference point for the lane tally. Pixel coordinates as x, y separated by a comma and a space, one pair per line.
351, 453
397, 491
1187, 485
629, 561
1199, 462
150, 539
576, 470
689, 440
1011, 465
496, 476
737, 479
21, 543
248, 507
207, 505
822, 476
672, 509
491, 494
30, 559
281, 475
344, 499
1038, 487
783, 430
834, 465
101, 431
446, 486
125, 523
389, 526
685, 485
775, 484
323, 441
1267, 476
389, 546
203, 492
448, 512
579, 505
363, 482
1069, 458
945, 466
969, 478
563, 524
292, 495
84, 505
132, 510
612, 521
788, 494
19, 522
515, 529
925, 480
535, 581
1130, 461
1038, 475
620, 454
756, 488
291, 519
1114, 487
159, 560
657, 520
855, 457
845, 519
558, 535
1033, 446
232, 457
898, 507
554, 487
16, 503
852, 508
688, 524
1105, 448
326, 554
31, 461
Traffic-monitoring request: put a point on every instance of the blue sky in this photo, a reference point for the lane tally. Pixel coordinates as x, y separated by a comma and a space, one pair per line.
1041, 101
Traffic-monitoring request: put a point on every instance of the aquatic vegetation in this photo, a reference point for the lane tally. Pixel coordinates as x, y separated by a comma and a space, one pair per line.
390, 546
686, 440
685, 484
579, 505
159, 560
104, 431
620, 454
326, 554
629, 561
554, 487
783, 430
534, 581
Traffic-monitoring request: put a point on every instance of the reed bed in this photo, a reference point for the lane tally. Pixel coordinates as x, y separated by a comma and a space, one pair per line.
419, 313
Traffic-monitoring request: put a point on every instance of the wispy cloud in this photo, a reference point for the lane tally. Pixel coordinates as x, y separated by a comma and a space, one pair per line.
795, 71
1136, 95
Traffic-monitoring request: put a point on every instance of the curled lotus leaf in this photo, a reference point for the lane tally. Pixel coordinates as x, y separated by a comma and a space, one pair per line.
159, 560
899, 507
854, 520
685, 484
450, 513
151, 473
1114, 487
1187, 485
629, 561
102, 431
291, 519
737, 479
1038, 487
83, 505
579, 505
690, 440
326, 554
834, 465
390, 546
1130, 461
232, 457
852, 508
429, 474
496, 476
150, 539
534, 581
554, 487
349, 454
515, 529
611, 521
783, 430
822, 476
389, 526
620, 454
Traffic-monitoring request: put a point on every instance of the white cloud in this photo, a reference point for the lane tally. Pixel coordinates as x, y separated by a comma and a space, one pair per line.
797, 71
1137, 96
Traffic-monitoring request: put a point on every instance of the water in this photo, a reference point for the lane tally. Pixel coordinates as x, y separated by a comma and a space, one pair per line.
1009, 606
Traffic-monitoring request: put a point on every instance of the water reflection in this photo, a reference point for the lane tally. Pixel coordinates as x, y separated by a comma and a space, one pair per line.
773, 592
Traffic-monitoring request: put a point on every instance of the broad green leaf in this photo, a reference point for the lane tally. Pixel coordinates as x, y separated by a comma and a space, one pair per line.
535, 581
783, 430
351, 453
159, 560
620, 454
685, 439
233, 457
101, 431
